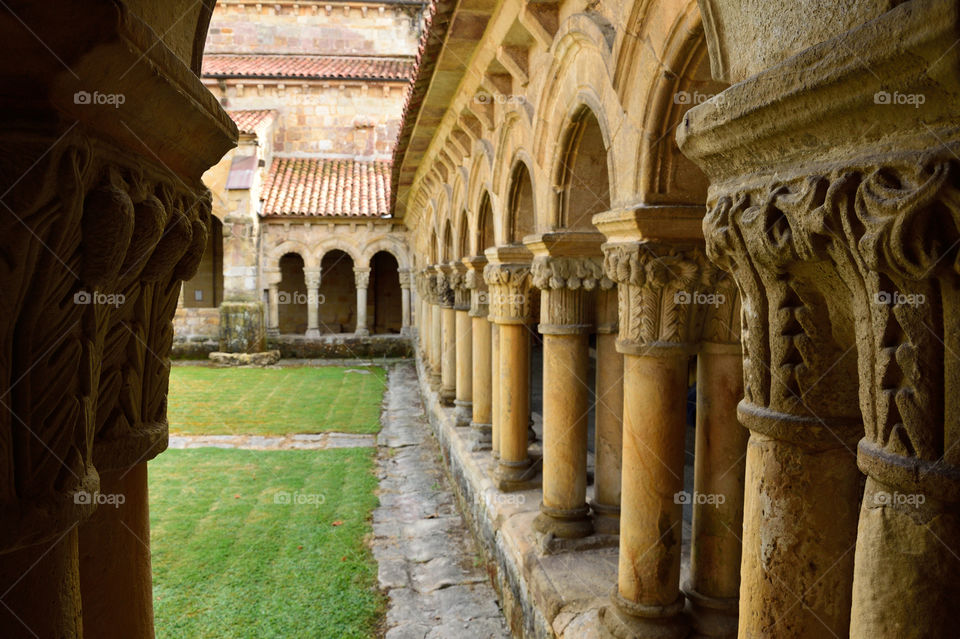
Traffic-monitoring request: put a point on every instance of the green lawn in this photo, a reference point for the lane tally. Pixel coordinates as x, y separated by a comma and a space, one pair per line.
275, 401
231, 562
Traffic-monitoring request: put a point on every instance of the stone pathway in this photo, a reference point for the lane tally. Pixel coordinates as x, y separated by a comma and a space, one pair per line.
428, 564
318, 441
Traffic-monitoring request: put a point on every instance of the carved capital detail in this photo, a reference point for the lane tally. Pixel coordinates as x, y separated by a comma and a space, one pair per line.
664, 291
509, 292
882, 237
361, 277
405, 278
96, 243
567, 284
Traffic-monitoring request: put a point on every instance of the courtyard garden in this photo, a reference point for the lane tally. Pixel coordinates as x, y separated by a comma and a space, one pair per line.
257, 543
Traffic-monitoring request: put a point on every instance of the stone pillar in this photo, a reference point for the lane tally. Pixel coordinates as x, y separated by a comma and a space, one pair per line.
508, 277
362, 277
405, 320
448, 334
609, 417
721, 444
849, 291
482, 418
311, 277
463, 401
566, 275
659, 326
495, 411
440, 291
272, 277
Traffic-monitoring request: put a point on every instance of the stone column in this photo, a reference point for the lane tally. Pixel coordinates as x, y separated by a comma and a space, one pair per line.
659, 326
97, 234
495, 410
440, 292
362, 278
463, 401
609, 417
721, 444
448, 334
508, 277
311, 277
405, 321
272, 278
566, 275
849, 298
482, 420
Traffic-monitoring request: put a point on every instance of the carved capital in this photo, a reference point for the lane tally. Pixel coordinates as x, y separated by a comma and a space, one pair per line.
473, 281
442, 292
405, 278
664, 291
567, 285
361, 276
509, 292
311, 278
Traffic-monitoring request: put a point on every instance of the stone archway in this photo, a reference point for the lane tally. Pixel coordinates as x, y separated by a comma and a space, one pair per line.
338, 298
292, 297
384, 304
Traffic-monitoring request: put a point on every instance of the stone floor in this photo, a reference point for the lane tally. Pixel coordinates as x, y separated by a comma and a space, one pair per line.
435, 578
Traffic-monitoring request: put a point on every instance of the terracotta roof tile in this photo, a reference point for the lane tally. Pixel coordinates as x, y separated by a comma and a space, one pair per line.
308, 66
248, 119
327, 187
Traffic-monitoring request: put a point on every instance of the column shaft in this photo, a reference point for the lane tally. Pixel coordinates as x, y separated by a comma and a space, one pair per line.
362, 311
609, 435
448, 361
564, 511
481, 422
464, 355
514, 406
405, 310
115, 560
313, 308
274, 298
436, 341
717, 502
496, 375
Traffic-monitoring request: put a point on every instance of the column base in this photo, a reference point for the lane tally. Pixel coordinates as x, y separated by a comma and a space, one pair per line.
273, 332
606, 519
463, 412
712, 617
482, 436
447, 395
627, 620
514, 476
362, 332
312, 333
406, 331
571, 523
433, 378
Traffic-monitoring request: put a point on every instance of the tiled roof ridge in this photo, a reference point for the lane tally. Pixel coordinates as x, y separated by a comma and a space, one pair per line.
281, 65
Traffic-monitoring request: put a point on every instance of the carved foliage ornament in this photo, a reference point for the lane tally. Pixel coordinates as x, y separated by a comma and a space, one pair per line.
94, 246
888, 235
509, 292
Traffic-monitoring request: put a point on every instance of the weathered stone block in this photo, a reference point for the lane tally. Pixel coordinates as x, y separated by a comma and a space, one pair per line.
242, 328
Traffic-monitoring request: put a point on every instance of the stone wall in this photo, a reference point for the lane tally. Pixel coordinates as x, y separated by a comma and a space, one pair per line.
315, 28
196, 332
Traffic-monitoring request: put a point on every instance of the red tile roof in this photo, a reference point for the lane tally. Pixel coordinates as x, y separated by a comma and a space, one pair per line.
327, 187
308, 66
247, 120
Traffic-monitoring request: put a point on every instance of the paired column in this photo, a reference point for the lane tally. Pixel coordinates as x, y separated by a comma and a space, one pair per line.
609, 416
311, 277
481, 422
509, 281
463, 401
362, 278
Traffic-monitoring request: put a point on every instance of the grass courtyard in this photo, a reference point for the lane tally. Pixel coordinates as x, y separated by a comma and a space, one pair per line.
266, 544
275, 401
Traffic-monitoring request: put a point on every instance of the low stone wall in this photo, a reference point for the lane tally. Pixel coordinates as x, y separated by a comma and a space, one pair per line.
543, 595
341, 346
196, 332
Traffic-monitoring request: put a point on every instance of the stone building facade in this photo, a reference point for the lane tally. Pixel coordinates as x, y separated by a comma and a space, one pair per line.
778, 200
304, 243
